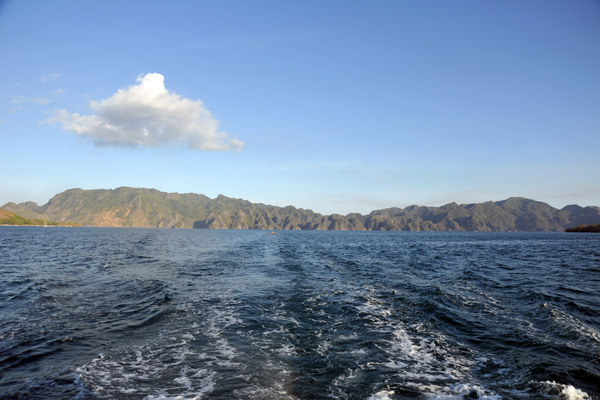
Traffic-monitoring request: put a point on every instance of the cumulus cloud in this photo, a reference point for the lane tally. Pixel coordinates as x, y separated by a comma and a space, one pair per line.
147, 114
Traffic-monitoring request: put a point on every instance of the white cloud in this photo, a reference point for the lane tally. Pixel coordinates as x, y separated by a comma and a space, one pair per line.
147, 114
50, 77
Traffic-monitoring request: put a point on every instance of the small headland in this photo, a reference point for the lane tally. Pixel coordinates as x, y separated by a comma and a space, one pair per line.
8, 218
585, 228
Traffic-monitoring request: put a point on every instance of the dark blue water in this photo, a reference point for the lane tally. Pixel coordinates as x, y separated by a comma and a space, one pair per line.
92, 313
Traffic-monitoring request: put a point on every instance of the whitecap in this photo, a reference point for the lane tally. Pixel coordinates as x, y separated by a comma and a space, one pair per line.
564, 392
382, 395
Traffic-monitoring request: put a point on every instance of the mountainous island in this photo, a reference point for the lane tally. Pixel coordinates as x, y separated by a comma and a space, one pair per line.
138, 207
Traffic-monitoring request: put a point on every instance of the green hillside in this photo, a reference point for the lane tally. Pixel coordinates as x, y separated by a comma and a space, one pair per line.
10, 218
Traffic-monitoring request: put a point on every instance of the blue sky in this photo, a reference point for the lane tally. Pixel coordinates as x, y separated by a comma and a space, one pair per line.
335, 106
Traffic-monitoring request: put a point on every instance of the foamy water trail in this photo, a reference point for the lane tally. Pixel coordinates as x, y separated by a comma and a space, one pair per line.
421, 360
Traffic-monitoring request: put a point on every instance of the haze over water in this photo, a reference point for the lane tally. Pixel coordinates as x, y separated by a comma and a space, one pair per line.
93, 313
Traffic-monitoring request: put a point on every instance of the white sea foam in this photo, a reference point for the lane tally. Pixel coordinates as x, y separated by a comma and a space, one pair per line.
382, 395
286, 349
162, 368
138, 370
424, 361
346, 378
264, 374
323, 347
564, 392
572, 324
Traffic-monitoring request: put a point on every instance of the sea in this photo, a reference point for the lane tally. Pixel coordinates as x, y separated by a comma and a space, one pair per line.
156, 314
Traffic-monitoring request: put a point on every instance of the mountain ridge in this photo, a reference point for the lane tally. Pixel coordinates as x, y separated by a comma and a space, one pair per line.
142, 207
